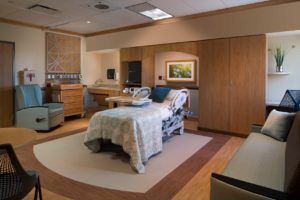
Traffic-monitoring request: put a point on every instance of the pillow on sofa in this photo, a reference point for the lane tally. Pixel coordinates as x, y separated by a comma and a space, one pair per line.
278, 125
159, 94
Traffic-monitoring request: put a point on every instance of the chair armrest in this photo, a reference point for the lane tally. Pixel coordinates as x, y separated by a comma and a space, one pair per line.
55, 105
256, 128
34, 108
253, 188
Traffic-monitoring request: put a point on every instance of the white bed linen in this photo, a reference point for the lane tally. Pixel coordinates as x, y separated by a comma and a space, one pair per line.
164, 108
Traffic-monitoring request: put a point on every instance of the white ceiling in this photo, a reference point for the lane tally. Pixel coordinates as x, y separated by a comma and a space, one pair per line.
75, 13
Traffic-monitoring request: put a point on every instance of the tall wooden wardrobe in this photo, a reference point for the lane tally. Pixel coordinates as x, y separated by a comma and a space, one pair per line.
232, 81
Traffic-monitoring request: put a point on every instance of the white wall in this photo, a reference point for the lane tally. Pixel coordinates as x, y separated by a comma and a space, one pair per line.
92, 68
278, 84
30, 50
276, 18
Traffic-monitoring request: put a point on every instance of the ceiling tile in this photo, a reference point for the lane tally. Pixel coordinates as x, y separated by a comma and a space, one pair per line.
205, 5
34, 18
232, 3
19, 3
178, 8
7, 10
75, 13
126, 3
121, 18
83, 27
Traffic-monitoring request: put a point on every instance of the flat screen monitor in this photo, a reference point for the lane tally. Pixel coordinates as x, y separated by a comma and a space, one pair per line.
134, 72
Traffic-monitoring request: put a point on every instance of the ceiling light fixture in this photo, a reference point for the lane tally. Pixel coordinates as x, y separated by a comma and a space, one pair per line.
88, 22
149, 10
156, 14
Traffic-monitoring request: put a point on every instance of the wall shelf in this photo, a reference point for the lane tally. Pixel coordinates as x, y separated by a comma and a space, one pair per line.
278, 73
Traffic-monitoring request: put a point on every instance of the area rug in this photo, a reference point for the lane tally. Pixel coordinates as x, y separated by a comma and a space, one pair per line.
165, 189
69, 157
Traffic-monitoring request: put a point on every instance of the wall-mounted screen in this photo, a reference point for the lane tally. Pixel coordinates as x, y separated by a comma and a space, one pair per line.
135, 72
110, 73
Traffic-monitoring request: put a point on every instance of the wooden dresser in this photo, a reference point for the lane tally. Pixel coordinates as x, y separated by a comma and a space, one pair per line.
72, 97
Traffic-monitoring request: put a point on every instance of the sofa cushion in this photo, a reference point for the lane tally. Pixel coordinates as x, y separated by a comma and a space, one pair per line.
260, 160
292, 160
278, 125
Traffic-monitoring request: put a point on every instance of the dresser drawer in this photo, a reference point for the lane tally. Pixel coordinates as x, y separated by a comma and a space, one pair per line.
73, 105
71, 93
73, 111
113, 93
72, 99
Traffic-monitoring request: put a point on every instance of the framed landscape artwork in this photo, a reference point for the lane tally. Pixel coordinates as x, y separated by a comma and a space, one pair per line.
181, 71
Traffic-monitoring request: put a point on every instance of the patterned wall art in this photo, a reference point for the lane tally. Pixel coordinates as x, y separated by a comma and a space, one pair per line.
62, 53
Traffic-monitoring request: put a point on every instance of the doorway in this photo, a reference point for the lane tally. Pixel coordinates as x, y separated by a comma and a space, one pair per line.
7, 51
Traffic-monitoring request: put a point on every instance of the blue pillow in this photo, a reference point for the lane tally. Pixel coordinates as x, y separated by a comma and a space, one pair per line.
159, 94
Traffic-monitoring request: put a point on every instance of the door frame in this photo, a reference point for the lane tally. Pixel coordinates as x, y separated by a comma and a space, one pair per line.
13, 77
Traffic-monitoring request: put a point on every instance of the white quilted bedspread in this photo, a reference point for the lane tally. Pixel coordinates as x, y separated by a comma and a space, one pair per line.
138, 130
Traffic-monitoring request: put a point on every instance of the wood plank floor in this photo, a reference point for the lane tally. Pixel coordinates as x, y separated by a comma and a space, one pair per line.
196, 188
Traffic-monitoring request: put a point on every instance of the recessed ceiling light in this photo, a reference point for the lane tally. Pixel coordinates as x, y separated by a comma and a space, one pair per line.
88, 22
148, 10
156, 14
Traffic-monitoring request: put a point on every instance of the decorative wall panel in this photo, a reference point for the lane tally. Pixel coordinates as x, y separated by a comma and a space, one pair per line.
62, 53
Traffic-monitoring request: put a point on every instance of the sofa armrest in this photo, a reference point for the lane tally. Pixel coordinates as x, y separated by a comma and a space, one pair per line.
256, 128
245, 190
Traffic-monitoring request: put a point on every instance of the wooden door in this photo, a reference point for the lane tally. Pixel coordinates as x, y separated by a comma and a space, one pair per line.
214, 84
6, 84
248, 82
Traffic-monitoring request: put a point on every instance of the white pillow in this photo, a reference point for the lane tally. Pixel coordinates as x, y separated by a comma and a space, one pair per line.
172, 94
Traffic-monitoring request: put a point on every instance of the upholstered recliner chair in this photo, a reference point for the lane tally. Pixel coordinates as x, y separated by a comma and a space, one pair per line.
32, 113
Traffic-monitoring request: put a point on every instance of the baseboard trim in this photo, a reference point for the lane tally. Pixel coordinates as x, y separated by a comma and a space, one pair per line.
223, 132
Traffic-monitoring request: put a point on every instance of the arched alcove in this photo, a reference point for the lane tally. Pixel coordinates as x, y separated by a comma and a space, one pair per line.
160, 72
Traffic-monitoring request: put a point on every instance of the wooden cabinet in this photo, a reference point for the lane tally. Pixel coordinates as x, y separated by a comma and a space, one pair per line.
72, 97
232, 83
213, 84
248, 82
131, 54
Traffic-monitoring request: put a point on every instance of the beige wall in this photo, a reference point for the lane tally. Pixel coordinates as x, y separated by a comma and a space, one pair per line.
91, 70
96, 64
30, 49
256, 21
110, 61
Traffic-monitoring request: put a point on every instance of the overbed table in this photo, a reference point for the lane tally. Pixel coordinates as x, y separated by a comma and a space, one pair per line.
127, 100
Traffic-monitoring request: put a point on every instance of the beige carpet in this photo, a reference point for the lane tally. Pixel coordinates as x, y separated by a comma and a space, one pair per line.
69, 157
